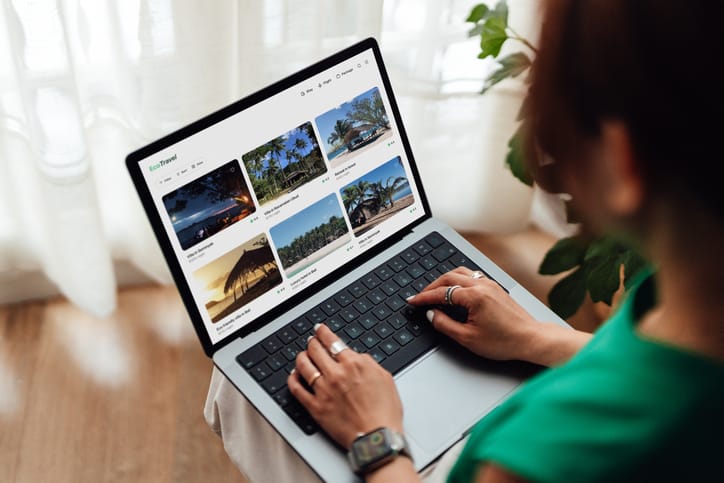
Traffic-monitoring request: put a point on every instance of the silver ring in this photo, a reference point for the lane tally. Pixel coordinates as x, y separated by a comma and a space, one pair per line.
337, 347
477, 274
449, 293
314, 378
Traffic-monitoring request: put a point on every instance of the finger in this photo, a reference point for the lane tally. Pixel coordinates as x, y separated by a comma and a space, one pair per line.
320, 357
306, 368
326, 337
305, 397
446, 325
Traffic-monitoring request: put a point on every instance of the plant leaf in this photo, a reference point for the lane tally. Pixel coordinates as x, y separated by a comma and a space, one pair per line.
633, 263
478, 13
566, 254
566, 296
604, 247
516, 160
510, 66
494, 35
475, 31
603, 277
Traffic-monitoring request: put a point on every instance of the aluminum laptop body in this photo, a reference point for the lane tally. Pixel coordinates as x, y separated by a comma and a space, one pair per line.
271, 205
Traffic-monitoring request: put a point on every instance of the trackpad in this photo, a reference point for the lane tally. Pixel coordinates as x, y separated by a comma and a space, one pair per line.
443, 396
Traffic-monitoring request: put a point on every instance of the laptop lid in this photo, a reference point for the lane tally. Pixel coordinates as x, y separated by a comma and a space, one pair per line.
265, 201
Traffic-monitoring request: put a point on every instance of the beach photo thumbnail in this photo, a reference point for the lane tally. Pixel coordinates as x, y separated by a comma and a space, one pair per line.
238, 277
354, 126
308, 236
377, 196
209, 204
285, 163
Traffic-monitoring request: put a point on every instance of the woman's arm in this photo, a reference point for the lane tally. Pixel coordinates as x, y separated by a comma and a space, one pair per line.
492, 473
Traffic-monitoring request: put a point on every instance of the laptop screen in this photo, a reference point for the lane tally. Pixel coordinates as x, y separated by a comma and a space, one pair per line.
268, 200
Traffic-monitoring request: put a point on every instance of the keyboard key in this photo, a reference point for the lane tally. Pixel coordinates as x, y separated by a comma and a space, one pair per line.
329, 307
384, 272
251, 357
381, 312
371, 281
272, 344
404, 337
357, 290
367, 321
343, 298
275, 382
290, 352
402, 279
415, 327
348, 314
362, 305
383, 329
287, 334
283, 397
443, 252
460, 260
301, 325
316, 316
415, 270
377, 355
422, 248
356, 346
397, 321
397, 264
389, 346
430, 277
335, 323
395, 303
434, 239
260, 371
410, 256
353, 330
419, 284
407, 292
389, 288
428, 263
370, 339
276, 362
376, 296
307, 425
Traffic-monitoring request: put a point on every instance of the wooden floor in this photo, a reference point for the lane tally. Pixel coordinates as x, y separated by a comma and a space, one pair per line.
121, 399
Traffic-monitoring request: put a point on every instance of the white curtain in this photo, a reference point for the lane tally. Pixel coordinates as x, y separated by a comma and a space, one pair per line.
84, 82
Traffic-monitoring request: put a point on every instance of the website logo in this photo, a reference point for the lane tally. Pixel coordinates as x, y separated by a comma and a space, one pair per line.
163, 162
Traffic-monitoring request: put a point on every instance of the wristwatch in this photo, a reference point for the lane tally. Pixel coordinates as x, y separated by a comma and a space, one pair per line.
376, 448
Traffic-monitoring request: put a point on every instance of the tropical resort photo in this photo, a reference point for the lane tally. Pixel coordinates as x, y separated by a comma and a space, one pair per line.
377, 196
354, 126
285, 163
209, 204
238, 277
310, 235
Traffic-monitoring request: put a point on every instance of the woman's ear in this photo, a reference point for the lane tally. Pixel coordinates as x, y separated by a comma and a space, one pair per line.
624, 186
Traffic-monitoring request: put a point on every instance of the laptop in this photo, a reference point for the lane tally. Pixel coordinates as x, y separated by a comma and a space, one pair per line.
302, 203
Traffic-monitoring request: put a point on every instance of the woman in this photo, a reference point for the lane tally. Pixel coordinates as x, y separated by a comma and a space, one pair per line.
628, 126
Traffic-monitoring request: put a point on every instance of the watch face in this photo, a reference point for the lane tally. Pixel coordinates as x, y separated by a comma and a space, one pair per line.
372, 447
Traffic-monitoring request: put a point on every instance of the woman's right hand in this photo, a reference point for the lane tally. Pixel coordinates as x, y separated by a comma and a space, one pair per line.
496, 326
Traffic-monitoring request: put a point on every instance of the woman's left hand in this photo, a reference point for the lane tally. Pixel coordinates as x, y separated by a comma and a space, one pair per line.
353, 394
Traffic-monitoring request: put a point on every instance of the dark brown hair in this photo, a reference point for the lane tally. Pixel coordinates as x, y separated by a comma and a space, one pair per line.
654, 65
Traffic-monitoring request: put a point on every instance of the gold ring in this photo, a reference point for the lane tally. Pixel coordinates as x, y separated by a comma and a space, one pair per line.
314, 378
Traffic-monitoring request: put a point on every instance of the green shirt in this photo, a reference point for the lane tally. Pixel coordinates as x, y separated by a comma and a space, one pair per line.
625, 408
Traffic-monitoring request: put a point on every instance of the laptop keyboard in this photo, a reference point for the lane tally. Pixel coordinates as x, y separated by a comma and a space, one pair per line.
370, 315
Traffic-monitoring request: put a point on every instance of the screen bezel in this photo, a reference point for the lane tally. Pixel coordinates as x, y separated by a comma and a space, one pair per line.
133, 165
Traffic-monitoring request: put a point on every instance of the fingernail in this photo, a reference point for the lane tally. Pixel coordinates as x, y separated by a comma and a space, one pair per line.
309, 338
317, 326
409, 298
293, 371
430, 314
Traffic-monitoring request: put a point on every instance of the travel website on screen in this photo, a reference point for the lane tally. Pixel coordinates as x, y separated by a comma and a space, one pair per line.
275, 197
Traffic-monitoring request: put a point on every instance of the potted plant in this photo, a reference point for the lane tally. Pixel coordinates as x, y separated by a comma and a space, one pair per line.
597, 266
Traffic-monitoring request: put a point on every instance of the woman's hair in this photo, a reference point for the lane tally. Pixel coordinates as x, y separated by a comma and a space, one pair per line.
654, 65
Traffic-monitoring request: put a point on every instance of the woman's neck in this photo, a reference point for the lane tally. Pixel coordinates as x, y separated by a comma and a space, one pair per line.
689, 279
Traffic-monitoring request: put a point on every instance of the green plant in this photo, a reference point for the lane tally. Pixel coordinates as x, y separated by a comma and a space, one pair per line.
595, 264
